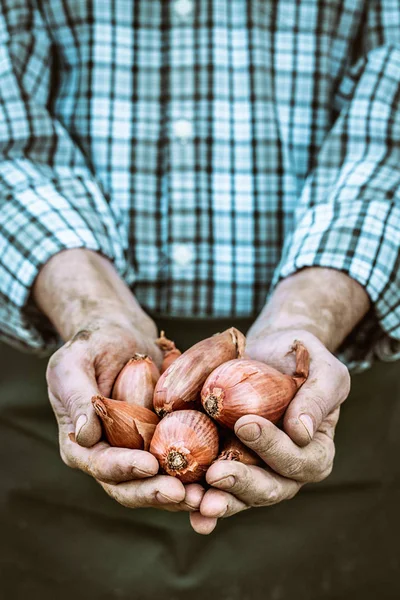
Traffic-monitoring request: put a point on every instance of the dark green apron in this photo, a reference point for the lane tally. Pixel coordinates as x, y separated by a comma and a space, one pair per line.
62, 537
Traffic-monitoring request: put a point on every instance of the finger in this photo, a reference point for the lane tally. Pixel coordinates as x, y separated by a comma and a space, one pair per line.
108, 464
157, 492
71, 379
315, 400
219, 504
191, 502
193, 497
252, 485
280, 453
202, 525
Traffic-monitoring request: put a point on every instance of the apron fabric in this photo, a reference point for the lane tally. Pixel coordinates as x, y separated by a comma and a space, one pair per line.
62, 537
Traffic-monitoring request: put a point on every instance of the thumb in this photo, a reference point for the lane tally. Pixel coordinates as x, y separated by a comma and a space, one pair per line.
71, 392
313, 403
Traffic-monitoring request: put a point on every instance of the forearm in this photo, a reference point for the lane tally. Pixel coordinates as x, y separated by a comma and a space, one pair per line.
77, 288
324, 302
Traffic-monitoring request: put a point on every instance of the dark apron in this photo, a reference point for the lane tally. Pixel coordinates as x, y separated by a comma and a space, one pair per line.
62, 537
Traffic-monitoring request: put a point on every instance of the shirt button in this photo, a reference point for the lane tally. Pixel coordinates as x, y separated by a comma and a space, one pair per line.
183, 129
183, 8
182, 254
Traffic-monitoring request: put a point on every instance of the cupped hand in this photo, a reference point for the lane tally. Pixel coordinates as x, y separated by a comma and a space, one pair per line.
301, 453
85, 366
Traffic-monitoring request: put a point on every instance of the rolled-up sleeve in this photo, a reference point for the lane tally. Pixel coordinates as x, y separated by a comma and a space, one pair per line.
49, 200
348, 217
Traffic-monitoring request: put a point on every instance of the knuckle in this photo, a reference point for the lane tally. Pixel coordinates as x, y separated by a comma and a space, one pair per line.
273, 496
268, 445
53, 363
266, 497
325, 473
73, 400
103, 471
96, 471
295, 468
319, 406
116, 494
241, 487
317, 475
321, 463
243, 482
294, 490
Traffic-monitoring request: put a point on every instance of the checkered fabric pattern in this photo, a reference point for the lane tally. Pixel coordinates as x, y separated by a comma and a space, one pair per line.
207, 148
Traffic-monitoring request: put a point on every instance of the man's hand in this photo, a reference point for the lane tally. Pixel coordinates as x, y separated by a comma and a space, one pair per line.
303, 452
319, 307
103, 335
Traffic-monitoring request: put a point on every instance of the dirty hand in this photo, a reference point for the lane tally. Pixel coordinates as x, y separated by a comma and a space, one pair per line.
302, 453
91, 307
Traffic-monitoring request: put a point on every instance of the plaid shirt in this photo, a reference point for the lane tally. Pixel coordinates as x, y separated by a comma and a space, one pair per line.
208, 148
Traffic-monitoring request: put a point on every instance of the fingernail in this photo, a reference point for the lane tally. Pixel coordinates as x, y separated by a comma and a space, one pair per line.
81, 422
308, 424
250, 432
225, 483
163, 499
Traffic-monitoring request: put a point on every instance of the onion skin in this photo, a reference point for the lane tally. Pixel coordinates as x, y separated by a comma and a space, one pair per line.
169, 357
185, 443
180, 385
136, 382
234, 449
124, 425
169, 349
242, 387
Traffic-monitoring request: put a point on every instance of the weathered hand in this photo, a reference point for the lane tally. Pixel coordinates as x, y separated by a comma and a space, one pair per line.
88, 365
300, 454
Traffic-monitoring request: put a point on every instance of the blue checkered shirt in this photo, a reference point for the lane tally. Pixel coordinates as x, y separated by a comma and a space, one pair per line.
208, 148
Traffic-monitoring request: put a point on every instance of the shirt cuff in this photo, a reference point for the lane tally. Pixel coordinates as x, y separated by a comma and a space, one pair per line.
360, 239
35, 226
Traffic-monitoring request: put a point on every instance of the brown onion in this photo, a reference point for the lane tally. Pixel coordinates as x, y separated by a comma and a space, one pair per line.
169, 349
242, 387
136, 381
179, 387
233, 449
125, 426
185, 443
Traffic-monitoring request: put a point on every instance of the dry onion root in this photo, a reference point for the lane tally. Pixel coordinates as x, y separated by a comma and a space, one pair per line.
175, 390
233, 449
241, 387
169, 349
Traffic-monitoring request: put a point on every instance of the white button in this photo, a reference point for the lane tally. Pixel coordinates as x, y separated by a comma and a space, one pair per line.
182, 254
183, 8
183, 129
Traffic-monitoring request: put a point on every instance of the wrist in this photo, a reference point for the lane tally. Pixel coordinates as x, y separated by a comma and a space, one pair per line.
78, 289
324, 302
263, 328
109, 315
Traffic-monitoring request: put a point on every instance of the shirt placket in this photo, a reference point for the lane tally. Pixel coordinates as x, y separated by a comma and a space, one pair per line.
181, 131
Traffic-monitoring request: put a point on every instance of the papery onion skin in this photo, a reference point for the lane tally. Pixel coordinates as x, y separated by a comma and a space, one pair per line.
185, 443
169, 358
242, 387
136, 382
180, 385
171, 352
124, 425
